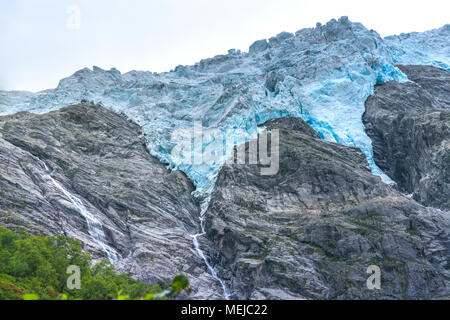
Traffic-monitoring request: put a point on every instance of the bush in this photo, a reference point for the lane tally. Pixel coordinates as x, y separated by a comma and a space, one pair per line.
34, 267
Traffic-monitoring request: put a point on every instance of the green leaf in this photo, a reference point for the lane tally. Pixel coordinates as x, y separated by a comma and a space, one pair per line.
179, 283
149, 296
30, 296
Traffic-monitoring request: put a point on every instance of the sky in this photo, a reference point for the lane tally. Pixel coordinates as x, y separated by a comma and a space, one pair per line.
43, 41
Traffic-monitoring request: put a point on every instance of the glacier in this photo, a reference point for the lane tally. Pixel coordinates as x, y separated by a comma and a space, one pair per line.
322, 74
422, 48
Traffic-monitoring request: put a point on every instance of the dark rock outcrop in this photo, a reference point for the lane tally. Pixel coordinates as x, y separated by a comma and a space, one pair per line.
309, 231
409, 124
147, 212
312, 230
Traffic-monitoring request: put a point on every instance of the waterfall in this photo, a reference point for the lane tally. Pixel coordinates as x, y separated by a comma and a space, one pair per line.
200, 253
94, 226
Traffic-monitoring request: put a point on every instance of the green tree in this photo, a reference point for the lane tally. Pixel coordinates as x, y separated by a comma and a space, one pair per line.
36, 266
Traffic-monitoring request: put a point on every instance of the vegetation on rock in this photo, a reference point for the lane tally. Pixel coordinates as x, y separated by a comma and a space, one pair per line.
35, 267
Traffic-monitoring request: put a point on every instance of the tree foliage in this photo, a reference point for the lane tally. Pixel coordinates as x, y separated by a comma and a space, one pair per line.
35, 267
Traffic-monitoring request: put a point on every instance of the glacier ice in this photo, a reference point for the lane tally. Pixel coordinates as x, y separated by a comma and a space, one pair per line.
322, 74
422, 48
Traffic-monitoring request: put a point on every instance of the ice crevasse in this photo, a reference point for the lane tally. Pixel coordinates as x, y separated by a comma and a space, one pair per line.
322, 74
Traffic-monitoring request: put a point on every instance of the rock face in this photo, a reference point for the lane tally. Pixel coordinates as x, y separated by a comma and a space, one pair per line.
147, 212
323, 74
409, 124
309, 231
312, 230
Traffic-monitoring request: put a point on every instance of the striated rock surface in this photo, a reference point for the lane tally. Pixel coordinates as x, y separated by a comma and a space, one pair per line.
409, 124
322, 74
146, 211
312, 230
309, 231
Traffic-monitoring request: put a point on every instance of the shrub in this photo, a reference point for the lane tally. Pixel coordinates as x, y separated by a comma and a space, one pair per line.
34, 267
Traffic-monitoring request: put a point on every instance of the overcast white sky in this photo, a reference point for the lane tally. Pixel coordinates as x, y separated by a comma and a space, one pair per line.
40, 41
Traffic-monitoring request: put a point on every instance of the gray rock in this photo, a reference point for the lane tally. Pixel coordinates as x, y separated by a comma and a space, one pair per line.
147, 211
433, 80
312, 230
409, 124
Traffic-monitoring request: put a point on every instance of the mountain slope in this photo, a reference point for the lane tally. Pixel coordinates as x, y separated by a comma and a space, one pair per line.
322, 74
312, 230
100, 172
147, 212
409, 124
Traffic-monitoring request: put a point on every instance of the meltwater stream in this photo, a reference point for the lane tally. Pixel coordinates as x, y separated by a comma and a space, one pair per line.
94, 226
201, 254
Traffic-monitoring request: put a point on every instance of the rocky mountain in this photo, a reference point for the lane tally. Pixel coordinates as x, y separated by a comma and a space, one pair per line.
312, 230
358, 134
99, 159
322, 74
409, 124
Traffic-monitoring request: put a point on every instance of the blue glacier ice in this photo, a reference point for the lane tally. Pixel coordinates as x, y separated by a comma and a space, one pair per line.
422, 48
322, 74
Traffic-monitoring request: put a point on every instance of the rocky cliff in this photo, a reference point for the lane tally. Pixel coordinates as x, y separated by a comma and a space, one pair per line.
409, 124
98, 157
312, 230
100, 172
